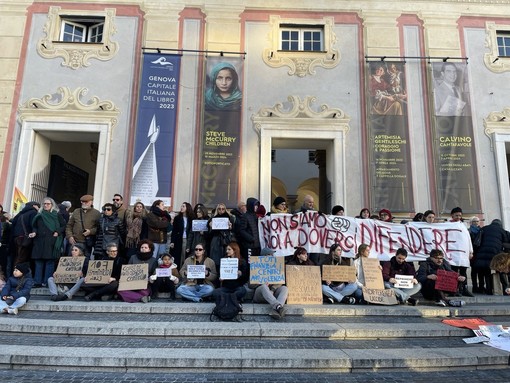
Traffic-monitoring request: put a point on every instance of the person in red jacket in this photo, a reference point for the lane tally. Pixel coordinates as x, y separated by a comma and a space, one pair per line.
397, 265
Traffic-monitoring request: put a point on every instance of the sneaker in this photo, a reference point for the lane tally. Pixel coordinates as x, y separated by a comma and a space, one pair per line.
467, 293
412, 301
60, 297
441, 303
458, 303
281, 311
145, 299
12, 311
329, 300
348, 300
88, 297
106, 298
275, 314
54, 298
5, 310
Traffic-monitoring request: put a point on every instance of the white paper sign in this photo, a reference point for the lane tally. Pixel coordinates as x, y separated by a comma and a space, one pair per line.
163, 272
196, 272
220, 223
228, 268
199, 225
404, 281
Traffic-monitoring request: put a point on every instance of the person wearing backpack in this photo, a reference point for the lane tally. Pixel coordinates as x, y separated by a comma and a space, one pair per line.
236, 286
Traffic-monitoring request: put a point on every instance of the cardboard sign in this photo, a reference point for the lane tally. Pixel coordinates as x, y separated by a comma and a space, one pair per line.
229, 268
69, 269
447, 281
267, 269
99, 272
380, 296
199, 225
134, 277
304, 284
373, 273
220, 223
335, 273
163, 272
403, 281
196, 272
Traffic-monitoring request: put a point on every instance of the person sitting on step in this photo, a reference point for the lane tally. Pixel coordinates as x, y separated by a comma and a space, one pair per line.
16, 291
165, 283
397, 265
196, 289
336, 291
67, 290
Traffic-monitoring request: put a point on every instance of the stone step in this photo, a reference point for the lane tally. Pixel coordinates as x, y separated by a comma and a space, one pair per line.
246, 329
428, 309
249, 360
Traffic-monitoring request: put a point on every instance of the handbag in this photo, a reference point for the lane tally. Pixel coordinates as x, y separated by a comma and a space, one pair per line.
24, 240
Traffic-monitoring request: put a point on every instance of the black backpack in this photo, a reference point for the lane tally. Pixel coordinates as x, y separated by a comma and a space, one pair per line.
227, 307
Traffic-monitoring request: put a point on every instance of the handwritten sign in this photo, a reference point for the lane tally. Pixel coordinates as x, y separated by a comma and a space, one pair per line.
196, 272
447, 281
304, 284
220, 223
373, 273
162, 272
336, 273
199, 225
380, 297
99, 272
69, 269
403, 281
134, 277
317, 232
267, 269
229, 268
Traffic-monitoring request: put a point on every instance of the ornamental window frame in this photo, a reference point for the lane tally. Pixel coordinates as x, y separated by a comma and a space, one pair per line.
76, 54
493, 60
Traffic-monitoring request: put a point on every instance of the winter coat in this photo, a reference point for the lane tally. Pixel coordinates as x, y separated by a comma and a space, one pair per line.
157, 222
46, 245
75, 226
249, 228
219, 239
16, 289
177, 235
110, 230
493, 236
209, 265
392, 267
140, 258
241, 280
24, 217
328, 260
428, 267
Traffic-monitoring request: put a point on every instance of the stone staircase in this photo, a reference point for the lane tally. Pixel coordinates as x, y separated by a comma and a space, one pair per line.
179, 337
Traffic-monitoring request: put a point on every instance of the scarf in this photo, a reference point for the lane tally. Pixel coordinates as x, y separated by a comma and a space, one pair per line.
50, 220
134, 224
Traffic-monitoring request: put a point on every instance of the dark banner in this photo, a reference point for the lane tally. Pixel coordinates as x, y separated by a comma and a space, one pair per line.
390, 166
220, 144
155, 131
455, 155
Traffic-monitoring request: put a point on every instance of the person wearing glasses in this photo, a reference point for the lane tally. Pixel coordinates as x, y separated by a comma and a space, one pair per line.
279, 206
220, 238
110, 230
427, 276
196, 289
118, 205
82, 226
48, 234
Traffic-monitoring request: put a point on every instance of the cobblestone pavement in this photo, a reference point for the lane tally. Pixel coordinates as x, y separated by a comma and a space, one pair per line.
468, 376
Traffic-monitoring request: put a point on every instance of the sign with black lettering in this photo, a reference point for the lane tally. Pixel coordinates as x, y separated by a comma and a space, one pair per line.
134, 277
334, 273
373, 273
99, 272
380, 297
69, 270
304, 284
447, 281
267, 269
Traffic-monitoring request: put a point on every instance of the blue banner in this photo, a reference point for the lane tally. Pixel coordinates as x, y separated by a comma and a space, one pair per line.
155, 131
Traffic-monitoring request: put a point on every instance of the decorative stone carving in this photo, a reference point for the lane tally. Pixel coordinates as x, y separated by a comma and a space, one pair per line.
301, 63
492, 60
77, 55
497, 123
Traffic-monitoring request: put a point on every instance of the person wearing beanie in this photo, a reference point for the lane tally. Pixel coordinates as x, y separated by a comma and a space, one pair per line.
456, 215
385, 215
16, 291
337, 210
279, 206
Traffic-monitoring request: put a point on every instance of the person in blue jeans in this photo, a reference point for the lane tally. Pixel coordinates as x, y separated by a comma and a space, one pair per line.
197, 289
338, 291
16, 291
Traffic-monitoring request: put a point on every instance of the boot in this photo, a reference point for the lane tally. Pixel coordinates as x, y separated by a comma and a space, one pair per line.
466, 292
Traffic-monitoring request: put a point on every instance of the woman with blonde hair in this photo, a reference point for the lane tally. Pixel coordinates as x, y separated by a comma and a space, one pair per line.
220, 238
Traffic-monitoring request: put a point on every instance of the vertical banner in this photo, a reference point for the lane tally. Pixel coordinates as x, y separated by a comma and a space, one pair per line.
455, 156
155, 130
390, 166
220, 144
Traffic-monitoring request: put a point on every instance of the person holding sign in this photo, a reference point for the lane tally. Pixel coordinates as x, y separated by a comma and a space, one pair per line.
220, 231
400, 276
199, 232
300, 258
77, 250
144, 255
427, 276
198, 275
274, 294
236, 286
339, 291
363, 252
106, 292
165, 278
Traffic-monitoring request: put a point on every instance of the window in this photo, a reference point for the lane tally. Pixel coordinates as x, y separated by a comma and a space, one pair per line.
302, 45
81, 30
302, 38
503, 39
78, 36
